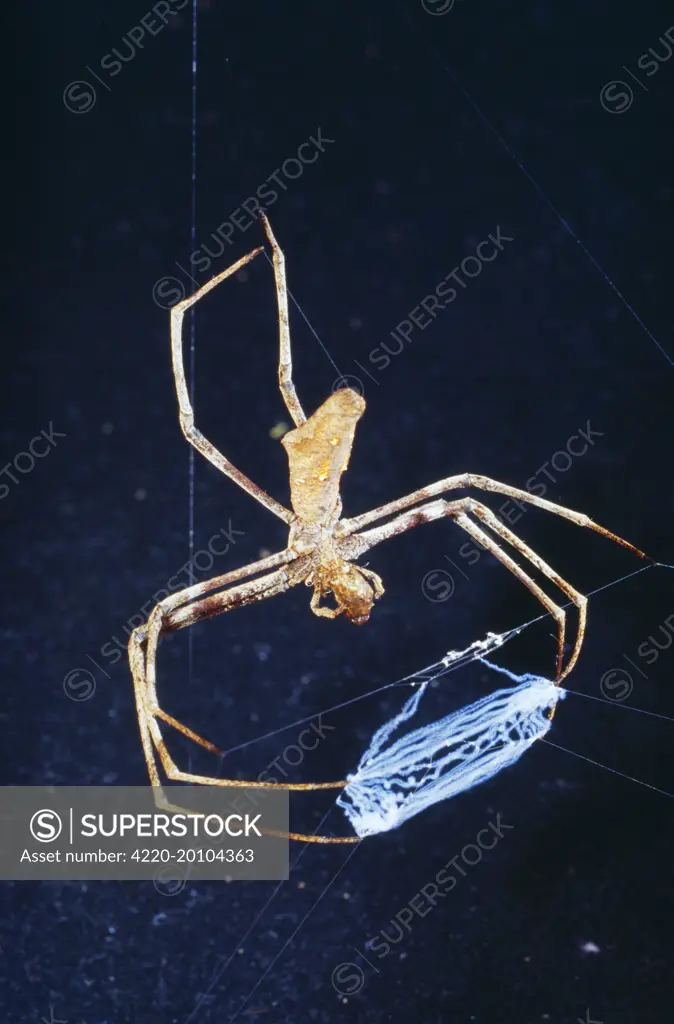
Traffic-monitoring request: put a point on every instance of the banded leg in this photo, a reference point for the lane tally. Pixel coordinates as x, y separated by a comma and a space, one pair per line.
165, 617
485, 483
458, 510
579, 600
177, 612
144, 718
285, 368
194, 436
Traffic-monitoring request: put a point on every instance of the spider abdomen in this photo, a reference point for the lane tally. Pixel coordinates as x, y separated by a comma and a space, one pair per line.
318, 453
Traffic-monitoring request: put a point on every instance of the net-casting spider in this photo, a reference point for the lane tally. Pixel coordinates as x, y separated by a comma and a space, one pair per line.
322, 547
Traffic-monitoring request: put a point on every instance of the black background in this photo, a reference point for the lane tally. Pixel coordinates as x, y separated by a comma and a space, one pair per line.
531, 350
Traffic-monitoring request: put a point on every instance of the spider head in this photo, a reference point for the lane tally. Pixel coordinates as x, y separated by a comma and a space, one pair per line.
350, 587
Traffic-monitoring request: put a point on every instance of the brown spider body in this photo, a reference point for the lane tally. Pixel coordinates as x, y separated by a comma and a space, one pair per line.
318, 453
322, 547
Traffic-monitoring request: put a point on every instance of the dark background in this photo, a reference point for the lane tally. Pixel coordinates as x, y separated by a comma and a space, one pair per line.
537, 345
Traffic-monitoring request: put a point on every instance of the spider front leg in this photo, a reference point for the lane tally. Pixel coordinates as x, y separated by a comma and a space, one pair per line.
285, 366
287, 387
357, 544
193, 435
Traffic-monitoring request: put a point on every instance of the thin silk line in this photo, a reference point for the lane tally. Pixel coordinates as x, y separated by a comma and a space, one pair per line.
532, 181
613, 771
414, 677
192, 348
192, 360
192, 352
617, 704
299, 926
223, 968
306, 320
218, 973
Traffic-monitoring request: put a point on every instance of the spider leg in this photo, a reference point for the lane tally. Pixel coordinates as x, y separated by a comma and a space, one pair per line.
147, 704
375, 579
177, 612
322, 610
137, 657
146, 709
579, 600
458, 510
137, 662
194, 436
144, 640
485, 483
285, 368
163, 620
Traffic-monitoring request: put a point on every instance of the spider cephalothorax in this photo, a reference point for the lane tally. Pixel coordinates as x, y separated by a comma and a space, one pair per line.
322, 547
350, 586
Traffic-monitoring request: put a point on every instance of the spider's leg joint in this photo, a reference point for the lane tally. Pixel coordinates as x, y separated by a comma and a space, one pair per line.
375, 579
139, 635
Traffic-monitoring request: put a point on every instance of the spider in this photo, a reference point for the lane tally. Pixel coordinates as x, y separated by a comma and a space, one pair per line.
323, 548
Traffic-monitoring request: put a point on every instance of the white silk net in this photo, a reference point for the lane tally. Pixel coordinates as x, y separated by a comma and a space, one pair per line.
405, 771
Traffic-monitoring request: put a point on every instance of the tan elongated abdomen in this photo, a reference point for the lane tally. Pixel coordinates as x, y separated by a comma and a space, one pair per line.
318, 453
